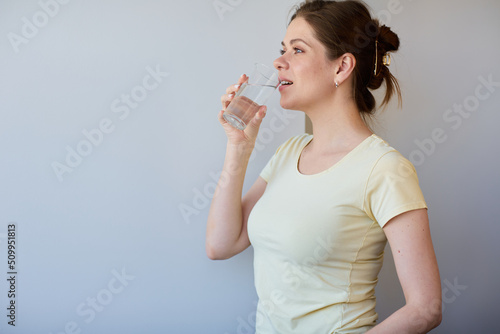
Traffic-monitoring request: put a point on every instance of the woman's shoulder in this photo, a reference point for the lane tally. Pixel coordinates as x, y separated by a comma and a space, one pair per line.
300, 139
386, 158
379, 148
294, 143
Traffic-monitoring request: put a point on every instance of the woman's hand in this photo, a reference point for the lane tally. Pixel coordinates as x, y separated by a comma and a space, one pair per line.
235, 136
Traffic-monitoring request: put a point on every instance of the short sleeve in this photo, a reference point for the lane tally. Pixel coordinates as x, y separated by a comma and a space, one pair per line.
268, 169
392, 188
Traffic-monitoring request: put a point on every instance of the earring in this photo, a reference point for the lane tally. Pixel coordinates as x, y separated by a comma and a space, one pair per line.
336, 84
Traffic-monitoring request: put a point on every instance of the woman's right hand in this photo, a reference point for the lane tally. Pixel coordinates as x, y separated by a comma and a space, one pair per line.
227, 233
234, 135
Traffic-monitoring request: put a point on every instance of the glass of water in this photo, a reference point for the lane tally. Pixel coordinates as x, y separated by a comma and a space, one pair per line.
251, 96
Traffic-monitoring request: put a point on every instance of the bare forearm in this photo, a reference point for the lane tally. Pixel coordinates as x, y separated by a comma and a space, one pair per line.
410, 320
225, 219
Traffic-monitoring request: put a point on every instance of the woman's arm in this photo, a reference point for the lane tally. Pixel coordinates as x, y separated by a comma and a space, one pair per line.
227, 219
416, 265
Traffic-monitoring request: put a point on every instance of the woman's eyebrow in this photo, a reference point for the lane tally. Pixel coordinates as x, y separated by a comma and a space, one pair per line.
295, 40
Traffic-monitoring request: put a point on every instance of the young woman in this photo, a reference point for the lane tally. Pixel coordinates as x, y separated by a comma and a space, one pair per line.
320, 213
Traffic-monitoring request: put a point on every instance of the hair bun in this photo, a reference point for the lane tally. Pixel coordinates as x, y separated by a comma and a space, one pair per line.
388, 40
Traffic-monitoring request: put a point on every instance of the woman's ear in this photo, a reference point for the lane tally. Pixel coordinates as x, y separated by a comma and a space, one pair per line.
345, 66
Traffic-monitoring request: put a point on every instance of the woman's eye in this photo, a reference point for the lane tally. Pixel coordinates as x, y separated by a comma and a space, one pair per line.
296, 50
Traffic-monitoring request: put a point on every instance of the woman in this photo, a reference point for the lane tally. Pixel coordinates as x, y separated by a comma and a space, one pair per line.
320, 213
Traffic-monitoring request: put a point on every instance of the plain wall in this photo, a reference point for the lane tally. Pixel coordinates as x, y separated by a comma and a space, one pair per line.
113, 240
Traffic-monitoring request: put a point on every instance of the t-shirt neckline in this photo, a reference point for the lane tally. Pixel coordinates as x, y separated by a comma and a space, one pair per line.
345, 157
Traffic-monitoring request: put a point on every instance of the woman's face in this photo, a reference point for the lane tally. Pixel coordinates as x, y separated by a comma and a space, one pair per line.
304, 64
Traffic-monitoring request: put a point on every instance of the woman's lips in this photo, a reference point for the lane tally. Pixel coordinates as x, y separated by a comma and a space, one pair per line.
284, 84
282, 87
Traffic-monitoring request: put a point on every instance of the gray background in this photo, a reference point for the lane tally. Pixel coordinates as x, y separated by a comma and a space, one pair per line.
117, 244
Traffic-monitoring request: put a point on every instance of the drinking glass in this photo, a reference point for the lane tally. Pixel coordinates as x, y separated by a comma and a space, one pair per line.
251, 96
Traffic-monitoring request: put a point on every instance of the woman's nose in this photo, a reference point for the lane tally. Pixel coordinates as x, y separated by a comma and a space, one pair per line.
280, 62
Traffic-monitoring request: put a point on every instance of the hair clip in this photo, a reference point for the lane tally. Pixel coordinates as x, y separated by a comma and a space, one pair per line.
386, 59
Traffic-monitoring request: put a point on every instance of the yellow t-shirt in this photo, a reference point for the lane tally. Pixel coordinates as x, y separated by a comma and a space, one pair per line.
318, 239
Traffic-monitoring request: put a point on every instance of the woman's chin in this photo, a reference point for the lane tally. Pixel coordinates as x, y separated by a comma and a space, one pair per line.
289, 106
286, 104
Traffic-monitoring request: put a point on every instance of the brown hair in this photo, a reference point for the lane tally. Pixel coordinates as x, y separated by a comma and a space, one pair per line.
347, 27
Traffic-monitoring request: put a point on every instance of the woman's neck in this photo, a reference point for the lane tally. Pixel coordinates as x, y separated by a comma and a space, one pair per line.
337, 125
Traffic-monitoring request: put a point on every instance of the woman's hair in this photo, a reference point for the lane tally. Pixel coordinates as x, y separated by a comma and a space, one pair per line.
347, 27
